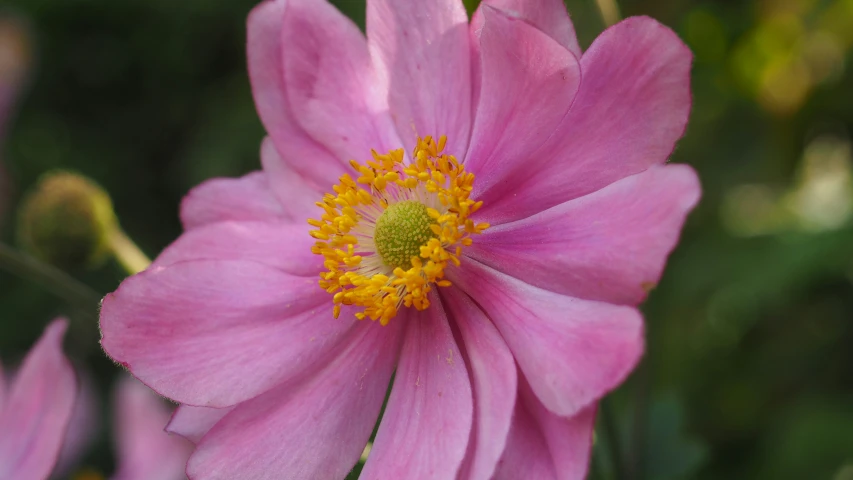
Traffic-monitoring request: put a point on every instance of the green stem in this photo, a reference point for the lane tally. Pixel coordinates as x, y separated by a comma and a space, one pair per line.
609, 11
52, 279
130, 256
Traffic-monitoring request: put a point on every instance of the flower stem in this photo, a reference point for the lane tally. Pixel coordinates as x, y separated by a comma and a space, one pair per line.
131, 258
609, 11
52, 279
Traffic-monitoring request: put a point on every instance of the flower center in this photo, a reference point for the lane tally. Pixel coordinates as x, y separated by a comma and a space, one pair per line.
388, 236
400, 232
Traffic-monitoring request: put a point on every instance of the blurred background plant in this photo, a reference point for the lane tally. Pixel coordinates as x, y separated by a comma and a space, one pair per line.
749, 371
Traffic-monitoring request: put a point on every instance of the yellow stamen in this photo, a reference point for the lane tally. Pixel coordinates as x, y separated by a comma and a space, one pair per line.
389, 235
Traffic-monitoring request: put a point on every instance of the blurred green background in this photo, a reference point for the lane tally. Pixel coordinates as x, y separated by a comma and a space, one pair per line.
749, 370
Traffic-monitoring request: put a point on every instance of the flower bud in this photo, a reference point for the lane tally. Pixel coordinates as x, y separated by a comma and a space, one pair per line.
66, 220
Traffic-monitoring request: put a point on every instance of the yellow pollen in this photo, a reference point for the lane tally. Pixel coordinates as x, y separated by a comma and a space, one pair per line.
388, 235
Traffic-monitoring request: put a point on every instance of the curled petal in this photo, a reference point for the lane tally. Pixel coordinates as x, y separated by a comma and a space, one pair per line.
193, 423
571, 351
427, 422
493, 378
631, 108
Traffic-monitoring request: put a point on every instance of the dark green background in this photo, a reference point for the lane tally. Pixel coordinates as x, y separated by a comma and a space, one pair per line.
749, 370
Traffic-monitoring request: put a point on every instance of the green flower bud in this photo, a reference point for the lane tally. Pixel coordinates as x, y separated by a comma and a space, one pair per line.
67, 220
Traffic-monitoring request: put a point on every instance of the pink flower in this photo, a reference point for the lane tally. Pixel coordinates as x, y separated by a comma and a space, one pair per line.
504, 260
46, 419
144, 450
35, 410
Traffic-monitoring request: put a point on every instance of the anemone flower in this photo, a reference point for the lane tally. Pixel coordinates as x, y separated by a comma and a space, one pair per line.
486, 207
36, 409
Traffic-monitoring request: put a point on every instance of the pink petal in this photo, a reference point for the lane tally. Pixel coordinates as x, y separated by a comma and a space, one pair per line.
284, 246
422, 54
144, 450
37, 409
631, 108
610, 245
222, 199
314, 430
572, 351
83, 426
266, 72
528, 83
493, 374
550, 16
216, 333
330, 84
569, 439
193, 423
427, 422
296, 194
526, 454
545, 446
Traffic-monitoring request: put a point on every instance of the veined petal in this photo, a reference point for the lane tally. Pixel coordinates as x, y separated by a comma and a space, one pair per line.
264, 53
316, 429
37, 409
571, 351
610, 245
331, 87
526, 454
544, 445
218, 332
247, 198
296, 194
145, 451
550, 16
284, 246
528, 83
422, 56
631, 108
427, 422
493, 377
193, 423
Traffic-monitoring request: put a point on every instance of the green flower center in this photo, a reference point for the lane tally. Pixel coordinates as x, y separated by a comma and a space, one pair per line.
400, 232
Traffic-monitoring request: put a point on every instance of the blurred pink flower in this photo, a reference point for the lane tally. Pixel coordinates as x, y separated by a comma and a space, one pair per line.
144, 450
83, 427
500, 376
45, 421
35, 410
